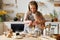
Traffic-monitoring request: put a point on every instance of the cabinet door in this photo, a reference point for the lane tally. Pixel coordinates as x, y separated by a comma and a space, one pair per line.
59, 28
57, 3
1, 27
1, 4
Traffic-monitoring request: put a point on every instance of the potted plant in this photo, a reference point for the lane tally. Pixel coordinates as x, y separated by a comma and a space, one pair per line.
2, 13
54, 16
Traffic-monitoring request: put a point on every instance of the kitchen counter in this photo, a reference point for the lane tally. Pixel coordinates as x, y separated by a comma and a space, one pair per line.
2, 37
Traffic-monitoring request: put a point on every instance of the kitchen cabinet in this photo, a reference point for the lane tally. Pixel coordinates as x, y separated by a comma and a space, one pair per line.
55, 27
0, 4
1, 27
57, 3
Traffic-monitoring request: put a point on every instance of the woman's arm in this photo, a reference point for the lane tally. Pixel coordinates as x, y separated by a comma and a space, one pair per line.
25, 17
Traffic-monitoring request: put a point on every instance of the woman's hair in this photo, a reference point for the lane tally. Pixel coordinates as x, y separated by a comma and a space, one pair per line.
33, 3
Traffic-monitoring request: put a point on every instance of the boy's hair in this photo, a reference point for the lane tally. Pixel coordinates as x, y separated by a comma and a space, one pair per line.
33, 3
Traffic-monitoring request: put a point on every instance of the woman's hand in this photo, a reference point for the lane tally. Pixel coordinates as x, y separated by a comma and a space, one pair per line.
27, 22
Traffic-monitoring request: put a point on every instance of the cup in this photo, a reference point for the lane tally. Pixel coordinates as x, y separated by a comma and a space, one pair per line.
5, 33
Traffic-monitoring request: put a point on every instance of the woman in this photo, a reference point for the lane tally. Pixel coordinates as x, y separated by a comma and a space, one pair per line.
34, 15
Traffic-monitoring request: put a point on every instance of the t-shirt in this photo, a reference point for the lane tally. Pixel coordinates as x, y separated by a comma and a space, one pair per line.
34, 15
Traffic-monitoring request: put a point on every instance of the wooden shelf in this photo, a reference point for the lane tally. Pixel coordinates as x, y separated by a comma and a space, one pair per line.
9, 11
57, 3
1, 4
7, 5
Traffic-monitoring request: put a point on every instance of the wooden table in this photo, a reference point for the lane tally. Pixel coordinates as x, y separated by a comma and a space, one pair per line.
2, 37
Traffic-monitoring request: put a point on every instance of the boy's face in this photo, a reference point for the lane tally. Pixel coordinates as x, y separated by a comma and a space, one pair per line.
33, 8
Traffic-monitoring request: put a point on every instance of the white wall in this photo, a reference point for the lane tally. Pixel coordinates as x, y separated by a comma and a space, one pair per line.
58, 11
10, 7
23, 7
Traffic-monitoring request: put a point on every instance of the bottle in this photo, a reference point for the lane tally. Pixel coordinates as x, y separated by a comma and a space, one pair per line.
21, 19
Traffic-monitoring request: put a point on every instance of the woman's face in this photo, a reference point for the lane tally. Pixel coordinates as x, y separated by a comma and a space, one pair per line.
33, 8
